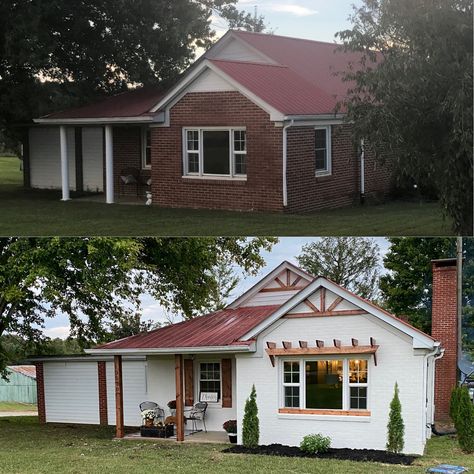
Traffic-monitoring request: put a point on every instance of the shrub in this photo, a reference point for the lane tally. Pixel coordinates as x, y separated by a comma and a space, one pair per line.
230, 426
250, 424
315, 443
395, 427
462, 413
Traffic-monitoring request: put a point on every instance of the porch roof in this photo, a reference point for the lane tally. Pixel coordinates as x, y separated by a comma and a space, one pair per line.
222, 329
131, 106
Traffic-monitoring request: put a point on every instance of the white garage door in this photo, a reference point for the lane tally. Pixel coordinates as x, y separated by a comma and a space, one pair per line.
71, 392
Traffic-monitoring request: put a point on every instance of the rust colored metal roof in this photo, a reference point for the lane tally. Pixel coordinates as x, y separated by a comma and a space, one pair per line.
222, 328
280, 87
134, 103
28, 370
317, 62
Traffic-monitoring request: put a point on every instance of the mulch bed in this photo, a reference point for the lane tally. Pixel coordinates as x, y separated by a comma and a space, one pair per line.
363, 455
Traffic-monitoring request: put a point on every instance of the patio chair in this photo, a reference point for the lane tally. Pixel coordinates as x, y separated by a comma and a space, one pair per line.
195, 414
129, 177
159, 412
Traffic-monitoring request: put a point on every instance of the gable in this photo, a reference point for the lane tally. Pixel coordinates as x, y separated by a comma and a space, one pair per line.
234, 49
209, 81
325, 302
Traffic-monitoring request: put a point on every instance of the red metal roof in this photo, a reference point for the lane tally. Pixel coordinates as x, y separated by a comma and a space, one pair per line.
28, 370
315, 61
280, 87
127, 104
221, 328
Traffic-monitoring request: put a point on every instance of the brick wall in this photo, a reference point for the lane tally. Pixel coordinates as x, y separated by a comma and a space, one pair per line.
306, 192
102, 382
40, 392
444, 329
263, 188
127, 154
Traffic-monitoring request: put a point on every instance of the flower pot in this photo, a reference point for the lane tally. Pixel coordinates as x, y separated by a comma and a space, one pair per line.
149, 423
232, 438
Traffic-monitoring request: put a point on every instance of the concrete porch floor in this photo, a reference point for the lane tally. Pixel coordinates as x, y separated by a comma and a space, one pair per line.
119, 199
211, 437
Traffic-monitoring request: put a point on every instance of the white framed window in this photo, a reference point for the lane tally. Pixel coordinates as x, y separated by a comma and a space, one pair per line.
210, 379
324, 384
215, 152
146, 148
322, 150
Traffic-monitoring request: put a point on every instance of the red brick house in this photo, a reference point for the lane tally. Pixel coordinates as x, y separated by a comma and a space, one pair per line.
252, 125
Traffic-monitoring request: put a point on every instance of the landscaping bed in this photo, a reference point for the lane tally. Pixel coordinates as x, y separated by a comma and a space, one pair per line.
363, 455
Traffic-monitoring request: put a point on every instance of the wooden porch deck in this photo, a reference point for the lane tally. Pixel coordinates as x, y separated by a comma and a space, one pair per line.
211, 437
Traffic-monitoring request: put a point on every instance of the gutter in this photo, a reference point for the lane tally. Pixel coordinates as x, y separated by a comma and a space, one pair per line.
172, 350
285, 162
362, 171
99, 120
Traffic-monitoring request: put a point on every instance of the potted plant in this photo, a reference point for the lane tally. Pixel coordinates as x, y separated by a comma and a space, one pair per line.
148, 417
231, 427
172, 407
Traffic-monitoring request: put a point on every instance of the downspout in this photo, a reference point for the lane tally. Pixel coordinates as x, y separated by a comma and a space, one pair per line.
434, 353
459, 263
285, 162
362, 171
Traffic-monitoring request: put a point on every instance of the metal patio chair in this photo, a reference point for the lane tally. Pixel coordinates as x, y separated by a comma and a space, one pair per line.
129, 177
159, 412
195, 414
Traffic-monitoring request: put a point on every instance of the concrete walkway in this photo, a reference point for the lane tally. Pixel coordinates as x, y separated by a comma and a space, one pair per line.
18, 413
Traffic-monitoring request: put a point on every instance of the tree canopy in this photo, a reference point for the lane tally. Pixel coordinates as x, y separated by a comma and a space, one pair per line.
97, 282
351, 262
59, 53
411, 94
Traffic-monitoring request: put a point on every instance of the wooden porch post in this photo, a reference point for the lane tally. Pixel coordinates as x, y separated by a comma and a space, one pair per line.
119, 428
178, 370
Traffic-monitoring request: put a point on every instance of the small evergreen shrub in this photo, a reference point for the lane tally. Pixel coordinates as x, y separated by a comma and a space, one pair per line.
462, 413
250, 423
395, 427
315, 443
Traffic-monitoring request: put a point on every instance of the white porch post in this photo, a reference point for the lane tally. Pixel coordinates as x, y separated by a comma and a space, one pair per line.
64, 163
109, 164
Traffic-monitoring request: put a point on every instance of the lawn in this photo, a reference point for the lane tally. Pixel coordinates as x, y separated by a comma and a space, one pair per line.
35, 212
15, 406
27, 447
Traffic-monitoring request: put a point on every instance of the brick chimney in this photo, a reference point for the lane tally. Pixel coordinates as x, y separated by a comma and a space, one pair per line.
444, 328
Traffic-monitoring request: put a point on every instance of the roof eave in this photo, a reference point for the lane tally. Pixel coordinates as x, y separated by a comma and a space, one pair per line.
158, 118
174, 350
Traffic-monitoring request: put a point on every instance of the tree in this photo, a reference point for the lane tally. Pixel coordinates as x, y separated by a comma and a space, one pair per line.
59, 53
226, 282
462, 413
407, 288
351, 262
128, 325
413, 98
98, 281
395, 427
250, 423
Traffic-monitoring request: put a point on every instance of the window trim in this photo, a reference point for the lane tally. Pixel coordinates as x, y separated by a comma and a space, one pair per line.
144, 136
346, 410
232, 153
198, 385
328, 170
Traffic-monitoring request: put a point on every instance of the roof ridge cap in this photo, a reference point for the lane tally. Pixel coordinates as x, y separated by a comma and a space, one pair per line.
294, 38
254, 63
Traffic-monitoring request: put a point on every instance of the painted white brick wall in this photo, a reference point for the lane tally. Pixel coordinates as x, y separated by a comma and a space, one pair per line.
396, 362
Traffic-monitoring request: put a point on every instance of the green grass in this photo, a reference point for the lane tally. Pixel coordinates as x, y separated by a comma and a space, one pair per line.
16, 406
27, 447
35, 212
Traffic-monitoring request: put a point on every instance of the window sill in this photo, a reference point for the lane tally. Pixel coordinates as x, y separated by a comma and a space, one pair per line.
324, 174
215, 179
338, 413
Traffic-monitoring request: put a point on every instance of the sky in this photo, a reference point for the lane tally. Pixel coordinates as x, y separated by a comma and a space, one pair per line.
288, 248
310, 19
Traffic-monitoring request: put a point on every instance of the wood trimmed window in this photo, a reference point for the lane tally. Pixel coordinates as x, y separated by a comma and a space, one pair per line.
210, 378
215, 152
322, 150
324, 386
146, 148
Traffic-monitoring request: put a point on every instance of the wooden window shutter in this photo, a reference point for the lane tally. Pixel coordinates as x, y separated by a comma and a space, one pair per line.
226, 365
188, 382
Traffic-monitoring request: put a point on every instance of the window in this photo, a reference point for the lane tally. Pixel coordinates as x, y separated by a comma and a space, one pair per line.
210, 378
146, 148
323, 150
337, 384
215, 152
358, 384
